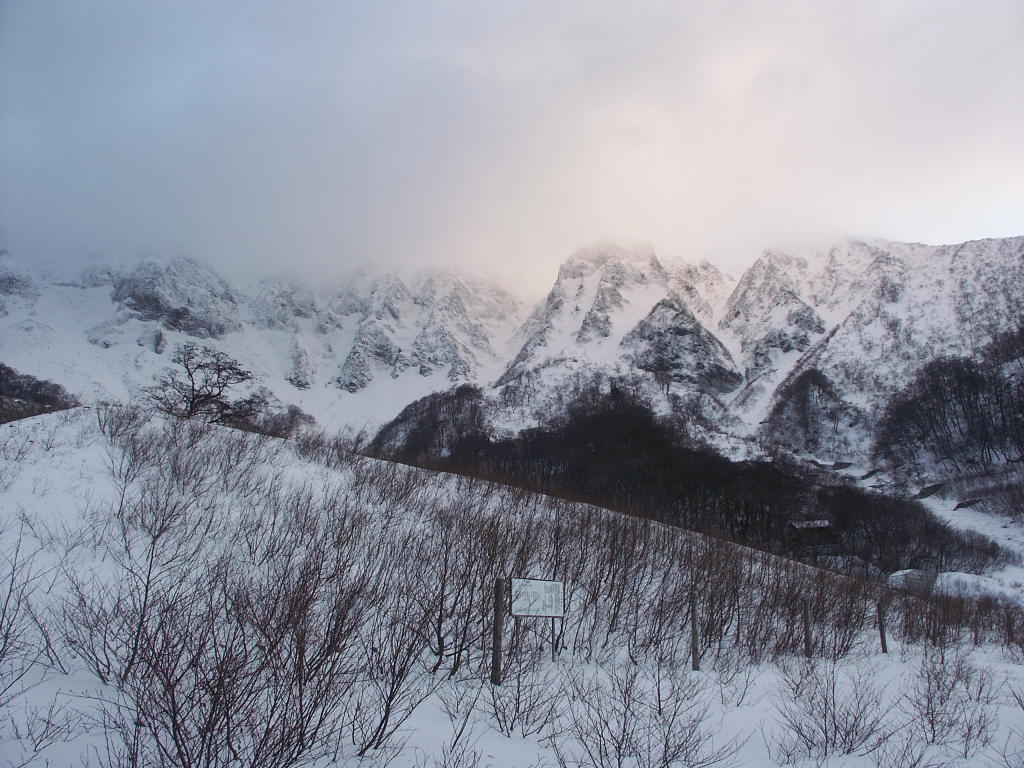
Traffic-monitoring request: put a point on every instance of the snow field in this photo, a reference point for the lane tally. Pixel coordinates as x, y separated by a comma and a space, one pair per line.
191, 595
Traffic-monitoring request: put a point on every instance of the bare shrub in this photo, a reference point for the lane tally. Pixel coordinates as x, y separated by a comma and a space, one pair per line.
735, 676
27, 658
226, 635
231, 666
626, 716
15, 445
115, 421
526, 703
460, 750
21, 650
1011, 752
336, 450
950, 700
906, 749
396, 679
824, 711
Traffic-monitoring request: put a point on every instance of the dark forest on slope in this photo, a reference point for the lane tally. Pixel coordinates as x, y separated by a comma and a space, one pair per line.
609, 449
961, 413
22, 395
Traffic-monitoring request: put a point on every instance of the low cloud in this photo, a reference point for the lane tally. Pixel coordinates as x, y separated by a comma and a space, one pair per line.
500, 136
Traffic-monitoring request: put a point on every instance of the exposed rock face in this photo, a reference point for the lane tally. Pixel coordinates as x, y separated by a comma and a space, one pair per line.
437, 323
153, 339
703, 286
97, 275
181, 296
301, 373
372, 349
13, 283
281, 304
770, 319
671, 343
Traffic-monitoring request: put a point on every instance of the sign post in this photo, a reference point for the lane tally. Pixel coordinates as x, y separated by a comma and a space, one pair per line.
553, 640
539, 598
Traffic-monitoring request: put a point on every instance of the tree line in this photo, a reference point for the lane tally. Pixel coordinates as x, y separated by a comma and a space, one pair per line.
22, 395
609, 449
967, 414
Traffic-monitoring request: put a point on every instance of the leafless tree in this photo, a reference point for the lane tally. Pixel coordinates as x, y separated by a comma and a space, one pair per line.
200, 386
527, 703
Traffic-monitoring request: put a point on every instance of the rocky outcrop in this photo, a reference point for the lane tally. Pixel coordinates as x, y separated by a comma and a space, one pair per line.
672, 344
437, 322
180, 295
280, 304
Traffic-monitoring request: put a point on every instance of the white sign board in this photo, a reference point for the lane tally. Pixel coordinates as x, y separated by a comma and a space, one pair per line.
534, 597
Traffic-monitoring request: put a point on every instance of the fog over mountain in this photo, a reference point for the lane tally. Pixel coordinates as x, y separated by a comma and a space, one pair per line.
319, 136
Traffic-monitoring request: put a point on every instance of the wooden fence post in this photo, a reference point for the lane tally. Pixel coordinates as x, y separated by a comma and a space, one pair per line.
497, 630
881, 626
807, 630
694, 637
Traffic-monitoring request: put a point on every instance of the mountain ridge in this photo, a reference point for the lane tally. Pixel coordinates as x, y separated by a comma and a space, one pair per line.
858, 318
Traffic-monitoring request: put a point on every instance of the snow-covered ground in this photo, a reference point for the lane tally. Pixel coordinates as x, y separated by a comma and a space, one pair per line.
1008, 581
86, 505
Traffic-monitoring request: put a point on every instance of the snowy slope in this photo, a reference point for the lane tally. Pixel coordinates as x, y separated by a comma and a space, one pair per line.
81, 496
352, 354
908, 306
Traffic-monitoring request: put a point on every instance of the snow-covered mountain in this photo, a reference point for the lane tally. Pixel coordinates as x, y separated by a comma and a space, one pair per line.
890, 308
351, 354
833, 333
618, 313
601, 296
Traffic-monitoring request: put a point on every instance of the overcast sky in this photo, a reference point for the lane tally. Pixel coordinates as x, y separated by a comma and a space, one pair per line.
503, 135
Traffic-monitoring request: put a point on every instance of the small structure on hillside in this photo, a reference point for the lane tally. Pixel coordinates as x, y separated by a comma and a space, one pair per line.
811, 538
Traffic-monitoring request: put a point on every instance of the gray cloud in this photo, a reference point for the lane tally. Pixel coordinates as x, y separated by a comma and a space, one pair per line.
318, 135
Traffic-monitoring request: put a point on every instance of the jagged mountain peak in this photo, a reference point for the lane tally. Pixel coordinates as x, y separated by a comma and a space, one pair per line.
637, 262
181, 294
392, 338
282, 302
856, 318
703, 286
440, 288
617, 307
432, 321
701, 273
